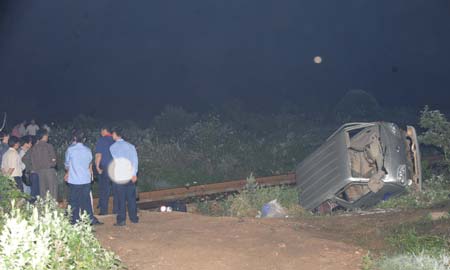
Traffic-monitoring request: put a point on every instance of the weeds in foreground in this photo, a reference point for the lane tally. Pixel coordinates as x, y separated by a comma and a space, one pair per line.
416, 246
8, 193
407, 240
413, 262
40, 237
367, 262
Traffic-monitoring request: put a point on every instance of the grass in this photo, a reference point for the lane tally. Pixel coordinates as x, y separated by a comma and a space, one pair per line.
408, 240
249, 202
414, 246
435, 191
413, 262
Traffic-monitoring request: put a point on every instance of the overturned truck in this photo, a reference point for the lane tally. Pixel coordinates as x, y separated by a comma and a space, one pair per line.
360, 165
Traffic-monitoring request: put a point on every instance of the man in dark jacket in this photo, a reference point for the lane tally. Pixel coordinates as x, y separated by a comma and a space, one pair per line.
102, 160
42, 160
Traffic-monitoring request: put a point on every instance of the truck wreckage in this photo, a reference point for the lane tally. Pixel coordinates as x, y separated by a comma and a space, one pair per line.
358, 166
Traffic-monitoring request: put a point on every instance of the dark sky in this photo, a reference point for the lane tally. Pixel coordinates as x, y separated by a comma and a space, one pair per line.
59, 58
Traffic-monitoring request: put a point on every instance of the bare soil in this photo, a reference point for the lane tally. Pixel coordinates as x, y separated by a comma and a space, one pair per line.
191, 241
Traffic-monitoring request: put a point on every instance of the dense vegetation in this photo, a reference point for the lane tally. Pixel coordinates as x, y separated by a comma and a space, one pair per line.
181, 148
39, 236
178, 148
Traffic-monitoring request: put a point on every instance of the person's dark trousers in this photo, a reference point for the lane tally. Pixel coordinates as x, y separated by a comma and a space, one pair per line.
104, 191
115, 199
19, 183
34, 179
80, 201
126, 196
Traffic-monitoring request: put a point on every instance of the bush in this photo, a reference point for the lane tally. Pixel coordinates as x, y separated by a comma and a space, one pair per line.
437, 133
9, 193
41, 237
415, 262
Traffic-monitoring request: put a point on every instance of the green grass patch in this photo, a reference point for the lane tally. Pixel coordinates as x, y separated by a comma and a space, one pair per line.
407, 239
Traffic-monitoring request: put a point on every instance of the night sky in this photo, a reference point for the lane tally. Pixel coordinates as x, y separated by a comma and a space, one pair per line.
128, 59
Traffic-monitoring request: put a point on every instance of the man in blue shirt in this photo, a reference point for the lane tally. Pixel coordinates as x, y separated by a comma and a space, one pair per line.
125, 177
78, 165
102, 160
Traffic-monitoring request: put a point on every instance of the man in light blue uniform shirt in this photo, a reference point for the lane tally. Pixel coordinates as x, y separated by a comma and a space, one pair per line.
78, 165
124, 153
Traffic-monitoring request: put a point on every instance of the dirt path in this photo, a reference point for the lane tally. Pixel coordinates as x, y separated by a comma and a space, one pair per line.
189, 241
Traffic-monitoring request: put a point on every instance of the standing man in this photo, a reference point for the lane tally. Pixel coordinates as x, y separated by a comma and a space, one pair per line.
15, 131
42, 158
12, 163
125, 167
4, 138
32, 128
33, 177
22, 129
78, 163
25, 145
102, 160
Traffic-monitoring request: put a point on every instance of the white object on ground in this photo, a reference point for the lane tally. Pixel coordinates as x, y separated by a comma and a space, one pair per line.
273, 209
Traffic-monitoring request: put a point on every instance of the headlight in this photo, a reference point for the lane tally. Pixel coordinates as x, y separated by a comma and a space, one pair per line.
394, 129
401, 174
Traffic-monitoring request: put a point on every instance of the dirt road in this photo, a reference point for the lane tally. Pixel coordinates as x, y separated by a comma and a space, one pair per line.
189, 241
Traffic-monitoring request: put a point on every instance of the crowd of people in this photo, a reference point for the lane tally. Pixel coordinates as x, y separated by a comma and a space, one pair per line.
27, 157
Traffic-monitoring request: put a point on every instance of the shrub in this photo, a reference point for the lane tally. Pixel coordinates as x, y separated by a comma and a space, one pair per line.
41, 237
414, 262
9, 193
437, 132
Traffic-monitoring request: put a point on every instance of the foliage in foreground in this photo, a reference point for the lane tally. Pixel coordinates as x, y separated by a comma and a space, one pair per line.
8, 193
40, 236
408, 240
250, 200
416, 245
414, 262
